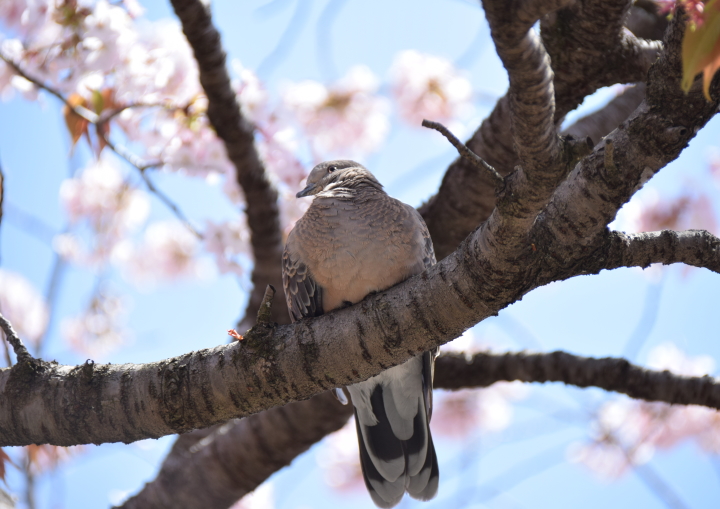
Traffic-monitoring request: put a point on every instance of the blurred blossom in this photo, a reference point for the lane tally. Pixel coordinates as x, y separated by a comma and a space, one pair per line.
458, 413
291, 209
651, 212
428, 87
23, 306
260, 498
693, 8
225, 241
626, 432
345, 118
340, 461
251, 93
169, 251
46, 457
100, 328
714, 163
113, 209
70, 248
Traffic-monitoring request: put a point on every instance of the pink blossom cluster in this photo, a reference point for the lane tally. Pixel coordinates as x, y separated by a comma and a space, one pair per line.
168, 251
228, 243
101, 197
339, 460
627, 432
100, 328
693, 8
428, 87
346, 118
653, 212
23, 306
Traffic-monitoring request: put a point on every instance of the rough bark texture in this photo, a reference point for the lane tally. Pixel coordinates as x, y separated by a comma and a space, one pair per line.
466, 197
238, 134
599, 123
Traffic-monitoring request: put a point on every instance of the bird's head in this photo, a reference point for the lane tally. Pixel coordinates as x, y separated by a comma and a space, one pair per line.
340, 176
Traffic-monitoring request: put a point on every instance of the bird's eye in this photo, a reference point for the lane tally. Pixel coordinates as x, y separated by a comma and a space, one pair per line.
332, 169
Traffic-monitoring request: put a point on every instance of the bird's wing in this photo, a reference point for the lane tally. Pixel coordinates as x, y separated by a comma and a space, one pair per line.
302, 293
429, 357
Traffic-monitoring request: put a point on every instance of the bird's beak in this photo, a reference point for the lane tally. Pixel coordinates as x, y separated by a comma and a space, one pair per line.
307, 191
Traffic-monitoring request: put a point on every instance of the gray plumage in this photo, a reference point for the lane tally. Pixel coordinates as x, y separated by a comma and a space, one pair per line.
354, 240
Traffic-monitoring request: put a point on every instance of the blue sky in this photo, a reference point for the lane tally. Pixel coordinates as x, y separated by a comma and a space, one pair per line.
591, 315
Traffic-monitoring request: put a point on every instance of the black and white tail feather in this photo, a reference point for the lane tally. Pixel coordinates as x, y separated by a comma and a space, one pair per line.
392, 415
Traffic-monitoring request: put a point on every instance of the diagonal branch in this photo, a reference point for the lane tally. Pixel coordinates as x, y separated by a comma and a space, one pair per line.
238, 135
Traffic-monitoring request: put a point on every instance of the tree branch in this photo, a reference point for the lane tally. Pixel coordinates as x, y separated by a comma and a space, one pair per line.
237, 457
611, 374
598, 124
698, 248
466, 197
21, 352
237, 133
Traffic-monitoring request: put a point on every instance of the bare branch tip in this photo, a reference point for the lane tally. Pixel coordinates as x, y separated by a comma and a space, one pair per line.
466, 153
264, 315
20, 351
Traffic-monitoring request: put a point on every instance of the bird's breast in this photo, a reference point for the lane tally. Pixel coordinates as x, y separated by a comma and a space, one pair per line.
356, 252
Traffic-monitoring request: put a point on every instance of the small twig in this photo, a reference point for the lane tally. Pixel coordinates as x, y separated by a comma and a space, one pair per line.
20, 351
80, 111
99, 120
465, 152
264, 314
131, 159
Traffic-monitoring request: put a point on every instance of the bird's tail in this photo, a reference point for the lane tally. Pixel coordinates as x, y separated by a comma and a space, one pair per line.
397, 455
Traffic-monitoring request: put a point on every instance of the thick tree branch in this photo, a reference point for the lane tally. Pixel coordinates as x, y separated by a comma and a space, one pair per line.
237, 133
466, 197
656, 133
237, 457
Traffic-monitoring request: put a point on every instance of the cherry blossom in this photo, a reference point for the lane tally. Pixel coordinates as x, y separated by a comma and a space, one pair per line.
99, 329
653, 212
346, 117
169, 251
226, 241
23, 306
627, 432
101, 197
339, 460
426, 86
